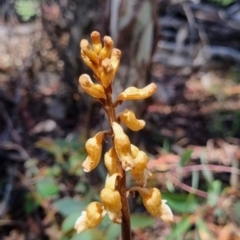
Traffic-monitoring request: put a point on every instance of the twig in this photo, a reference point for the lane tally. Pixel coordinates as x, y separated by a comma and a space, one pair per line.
193, 168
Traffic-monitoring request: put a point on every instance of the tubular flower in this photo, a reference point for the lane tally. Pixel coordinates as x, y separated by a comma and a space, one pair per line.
133, 93
110, 160
96, 42
107, 49
140, 173
95, 90
111, 199
94, 68
129, 119
90, 218
123, 147
86, 49
94, 149
154, 204
107, 73
115, 59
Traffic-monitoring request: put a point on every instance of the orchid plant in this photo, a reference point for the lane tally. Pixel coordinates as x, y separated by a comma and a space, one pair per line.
104, 60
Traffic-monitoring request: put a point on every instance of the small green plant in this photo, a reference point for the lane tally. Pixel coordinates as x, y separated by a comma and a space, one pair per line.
26, 9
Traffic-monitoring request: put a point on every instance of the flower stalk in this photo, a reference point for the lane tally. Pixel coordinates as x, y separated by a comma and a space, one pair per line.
104, 60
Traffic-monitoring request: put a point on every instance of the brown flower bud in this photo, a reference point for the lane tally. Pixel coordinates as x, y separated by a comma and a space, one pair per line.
129, 119
111, 199
96, 42
95, 90
123, 147
107, 49
110, 160
94, 149
115, 59
86, 49
133, 93
90, 218
107, 73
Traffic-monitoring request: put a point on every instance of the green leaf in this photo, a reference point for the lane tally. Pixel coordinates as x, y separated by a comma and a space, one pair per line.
166, 145
202, 226
47, 187
170, 186
180, 229
236, 211
185, 157
54, 170
91, 234
81, 187
195, 179
69, 222
141, 221
113, 231
213, 192
181, 203
30, 204
206, 172
67, 206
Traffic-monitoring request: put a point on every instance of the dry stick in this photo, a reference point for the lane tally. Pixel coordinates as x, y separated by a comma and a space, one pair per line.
199, 168
125, 225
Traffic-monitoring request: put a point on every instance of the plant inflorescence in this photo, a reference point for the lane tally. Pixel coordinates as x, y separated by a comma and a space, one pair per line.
123, 156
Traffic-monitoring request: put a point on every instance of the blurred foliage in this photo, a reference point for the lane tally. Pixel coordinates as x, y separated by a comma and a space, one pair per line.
223, 2
224, 123
51, 183
26, 9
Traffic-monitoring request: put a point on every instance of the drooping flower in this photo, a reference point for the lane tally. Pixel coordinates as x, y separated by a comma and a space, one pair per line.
110, 160
133, 93
111, 199
129, 119
154, 204
140, 172
123, 147
90, 218
94, 149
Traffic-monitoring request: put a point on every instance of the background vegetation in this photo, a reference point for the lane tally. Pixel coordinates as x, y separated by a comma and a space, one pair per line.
190, 49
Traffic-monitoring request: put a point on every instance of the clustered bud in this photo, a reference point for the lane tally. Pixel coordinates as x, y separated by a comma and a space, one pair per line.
104, 61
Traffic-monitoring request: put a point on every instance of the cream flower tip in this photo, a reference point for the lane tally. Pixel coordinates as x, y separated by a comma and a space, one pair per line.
167, 215
128, 168
80, 224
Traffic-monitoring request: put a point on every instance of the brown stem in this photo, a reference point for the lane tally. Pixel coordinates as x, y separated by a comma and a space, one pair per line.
125, 225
